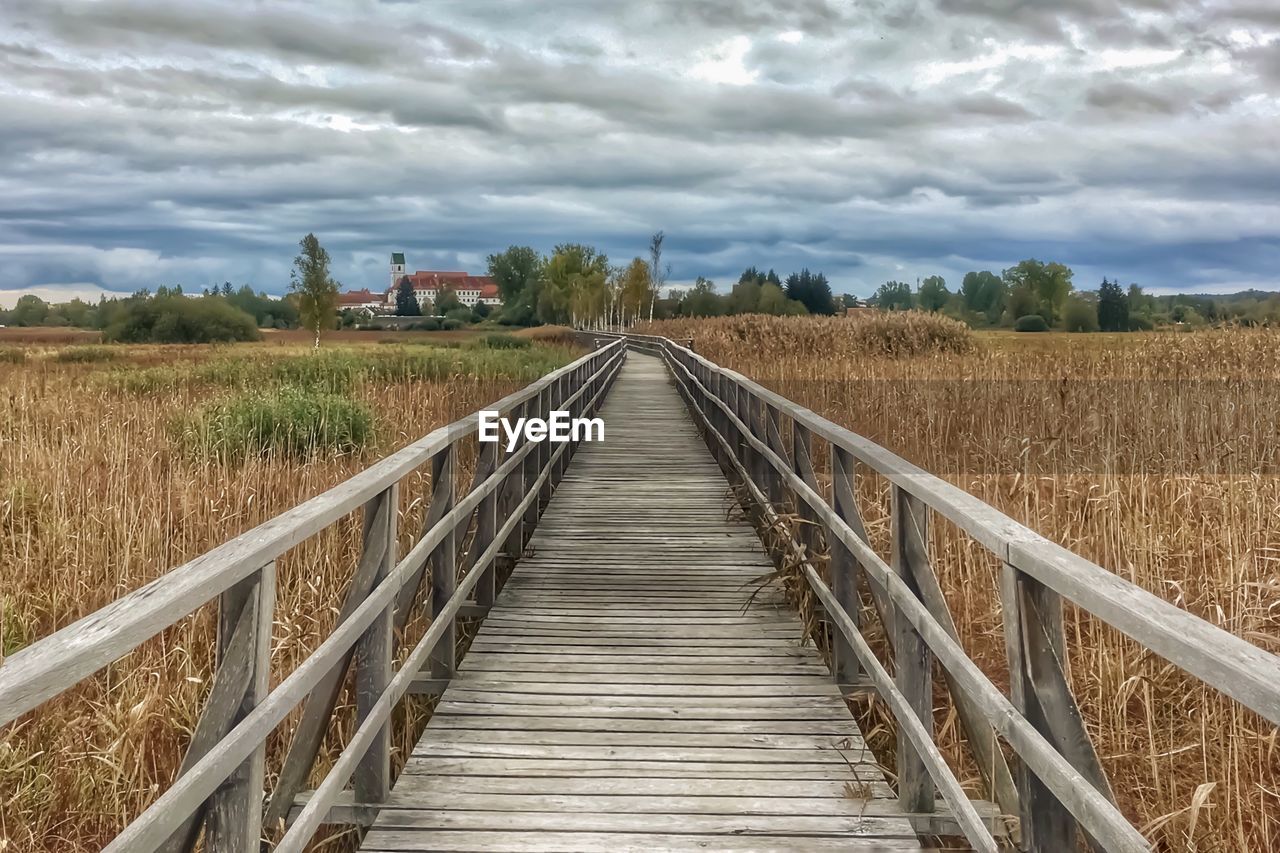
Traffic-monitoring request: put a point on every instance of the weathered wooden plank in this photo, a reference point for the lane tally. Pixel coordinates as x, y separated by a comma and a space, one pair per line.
398, 841
1044, 824
412, 784
373, 653
233, 823
839, 728
642, 767
850, 825
444, 564
912, 661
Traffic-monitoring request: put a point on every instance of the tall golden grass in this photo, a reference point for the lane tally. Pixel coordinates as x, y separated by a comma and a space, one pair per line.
98, 497
1154, 455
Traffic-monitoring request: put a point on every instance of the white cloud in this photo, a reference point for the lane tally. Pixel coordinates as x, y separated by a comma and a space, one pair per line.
724, 63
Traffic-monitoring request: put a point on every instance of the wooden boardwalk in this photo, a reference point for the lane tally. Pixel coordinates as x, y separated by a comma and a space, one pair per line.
633, 688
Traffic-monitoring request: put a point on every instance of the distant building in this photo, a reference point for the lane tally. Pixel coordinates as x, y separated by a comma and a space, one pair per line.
471, 290
355, 300
397, 268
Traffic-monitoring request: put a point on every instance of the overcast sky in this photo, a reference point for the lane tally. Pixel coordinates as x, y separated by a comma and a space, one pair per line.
187, 141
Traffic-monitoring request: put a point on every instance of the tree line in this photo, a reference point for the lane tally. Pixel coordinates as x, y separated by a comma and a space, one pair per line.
1034, 295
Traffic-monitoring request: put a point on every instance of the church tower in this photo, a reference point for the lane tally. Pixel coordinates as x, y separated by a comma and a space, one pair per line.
397, 268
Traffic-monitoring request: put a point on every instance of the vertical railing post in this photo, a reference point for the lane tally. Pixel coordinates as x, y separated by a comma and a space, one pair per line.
845, 570
546, 402
234, 820
373, 652
750, 456
444, 564
528, 476
562, 392
487, 528
1036, 644
910, 532
778, 490
716, 417
510, 493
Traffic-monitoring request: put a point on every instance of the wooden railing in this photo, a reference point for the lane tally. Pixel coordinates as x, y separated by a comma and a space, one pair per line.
1059, 784
219, 789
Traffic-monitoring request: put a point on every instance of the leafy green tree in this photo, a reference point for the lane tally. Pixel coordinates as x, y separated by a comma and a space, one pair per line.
984, 293
1020, 302
518, 272
1113, 307
574, 284
30, 310
446, 301
894, 296
933, 294
775, 302
406, 300
317, 291
702, 300
812, 290
745, 297
1050, 283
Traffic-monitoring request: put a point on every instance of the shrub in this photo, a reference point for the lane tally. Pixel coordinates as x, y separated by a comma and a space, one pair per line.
1079, 316
13, 355
292, 422
85, 354
501, 341
430, 324
516, 315
181, 320
461, 314
450, 324
1030, 323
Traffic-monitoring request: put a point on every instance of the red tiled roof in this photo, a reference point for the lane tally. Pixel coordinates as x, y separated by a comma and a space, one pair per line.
358, 297
437, 280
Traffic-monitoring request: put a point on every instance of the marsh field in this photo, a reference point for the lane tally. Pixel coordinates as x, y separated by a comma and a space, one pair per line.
1155, 455
119, 462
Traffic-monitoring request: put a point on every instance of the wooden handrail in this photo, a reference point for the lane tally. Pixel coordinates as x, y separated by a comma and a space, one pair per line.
222, 775
1220, 659
1061, 777
53, 664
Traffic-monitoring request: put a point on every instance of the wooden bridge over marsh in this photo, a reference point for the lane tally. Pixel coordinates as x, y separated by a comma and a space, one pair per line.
631, 680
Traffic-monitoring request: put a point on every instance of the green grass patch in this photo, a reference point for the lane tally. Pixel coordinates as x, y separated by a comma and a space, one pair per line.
290, 422
86, 354
339, 371
501, 341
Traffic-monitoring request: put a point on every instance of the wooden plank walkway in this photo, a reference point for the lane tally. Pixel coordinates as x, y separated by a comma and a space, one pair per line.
631, 689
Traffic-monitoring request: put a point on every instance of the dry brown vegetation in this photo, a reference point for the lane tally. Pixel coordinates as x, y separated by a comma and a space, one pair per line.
99, 494
1154, 455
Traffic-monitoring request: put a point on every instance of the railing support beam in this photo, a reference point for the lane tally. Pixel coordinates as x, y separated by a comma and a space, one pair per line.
234, 820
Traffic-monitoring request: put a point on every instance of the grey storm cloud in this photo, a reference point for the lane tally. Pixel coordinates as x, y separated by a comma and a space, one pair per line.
146, 142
